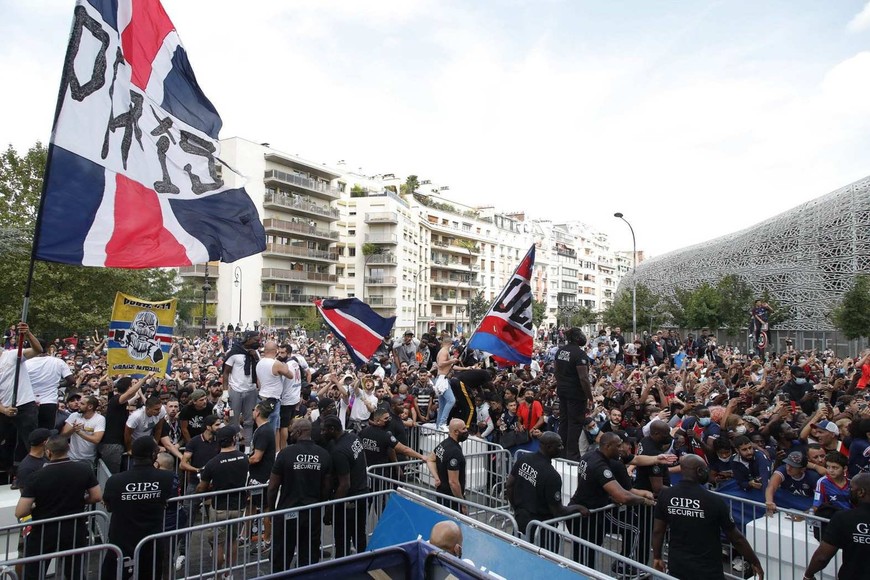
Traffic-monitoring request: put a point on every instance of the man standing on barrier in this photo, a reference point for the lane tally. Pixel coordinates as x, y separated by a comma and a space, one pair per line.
534, 487
849, 531
301, 474
598, 487
574, 390
447, 466
696, 518
43, 498
351, 480
137, 501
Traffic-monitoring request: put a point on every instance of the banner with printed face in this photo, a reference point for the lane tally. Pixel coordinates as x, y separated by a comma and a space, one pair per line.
140, 335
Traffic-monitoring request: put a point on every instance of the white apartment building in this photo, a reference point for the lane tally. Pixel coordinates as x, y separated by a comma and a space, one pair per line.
421, 257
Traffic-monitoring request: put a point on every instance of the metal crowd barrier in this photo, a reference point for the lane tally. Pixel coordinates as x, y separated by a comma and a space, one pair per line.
83, 562
784, 542
213, 548
383, 478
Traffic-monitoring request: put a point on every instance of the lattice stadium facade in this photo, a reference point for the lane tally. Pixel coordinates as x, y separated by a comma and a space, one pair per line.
806, 257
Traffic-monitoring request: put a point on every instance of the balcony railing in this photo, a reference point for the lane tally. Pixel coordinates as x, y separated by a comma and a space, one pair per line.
297, 228
301, 275
209, 322
382, 238
304, 182
285, 250
282, 322
381, 280
289, 298
286, 200
196, 270
382, 217
379, 302
382, 258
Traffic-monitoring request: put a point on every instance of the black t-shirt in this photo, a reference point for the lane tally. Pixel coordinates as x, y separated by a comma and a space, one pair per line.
201, 452
227, 470
116, 419
348, 459
376, 442
473, 379
537, 484
317, 436
303, 467
621, 472
696, 518
398, 429
449, 457
28, 466
195, 419
642, 480
594, 472
568, 358
137, 500
59, 488
850, 531
263, 440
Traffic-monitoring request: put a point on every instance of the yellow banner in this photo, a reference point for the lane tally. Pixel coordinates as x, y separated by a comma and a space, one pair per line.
140, 335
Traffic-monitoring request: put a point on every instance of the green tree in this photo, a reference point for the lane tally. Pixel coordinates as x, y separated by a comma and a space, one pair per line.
311, 320
704, 307
21, 186
735, 302
675, 307
648, 309
369, 249
779, 312
578, 316
478, 306
852, 315
539, 311
358, 191
411, 184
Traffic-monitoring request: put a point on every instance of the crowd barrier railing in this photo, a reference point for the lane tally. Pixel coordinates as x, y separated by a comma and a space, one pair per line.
318, 531
383, 477
83, 562
51, 535
784, 542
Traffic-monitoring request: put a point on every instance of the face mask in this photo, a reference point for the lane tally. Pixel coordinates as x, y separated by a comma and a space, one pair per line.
595, 431
463, 436
800, 381
529, 399
704, 421
740, 430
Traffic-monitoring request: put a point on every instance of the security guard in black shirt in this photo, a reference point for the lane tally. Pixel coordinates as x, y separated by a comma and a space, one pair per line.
849, 531
447, 465
301, 473
697, 518
652, 478
534, 487
350, 479
597, 487
574, 390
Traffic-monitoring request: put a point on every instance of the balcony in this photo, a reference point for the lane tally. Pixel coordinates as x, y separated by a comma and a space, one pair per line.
197, 270
455, 265
285, 202
293, 298
382, 239
284, 250
451, 298
297, 229
454, 280
282, 322
298, 275
209, 322
381, 258
382, 217
379, 302
306, 184
381, 281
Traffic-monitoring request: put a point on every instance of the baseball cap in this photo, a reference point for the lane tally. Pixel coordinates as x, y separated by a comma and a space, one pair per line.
325, 403
40, 435
796, 459
226, 434
197, 394
409, 333
828, 426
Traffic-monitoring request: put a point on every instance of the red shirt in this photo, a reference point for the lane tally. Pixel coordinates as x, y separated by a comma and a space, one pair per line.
529, 417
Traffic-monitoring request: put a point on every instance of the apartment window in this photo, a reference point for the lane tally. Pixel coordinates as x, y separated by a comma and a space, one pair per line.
351, 232
351, 252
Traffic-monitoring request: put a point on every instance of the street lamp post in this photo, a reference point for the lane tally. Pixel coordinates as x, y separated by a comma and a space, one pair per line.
206, 288
633, 277
238, 283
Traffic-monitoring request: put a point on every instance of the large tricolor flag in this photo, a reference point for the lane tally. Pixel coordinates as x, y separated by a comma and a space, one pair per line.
134, 177
356, 325
506, 330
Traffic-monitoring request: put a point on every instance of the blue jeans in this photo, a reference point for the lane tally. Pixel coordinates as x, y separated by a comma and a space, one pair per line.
445, 405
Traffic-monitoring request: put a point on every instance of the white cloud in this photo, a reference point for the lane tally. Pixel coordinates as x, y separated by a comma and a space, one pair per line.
861, 21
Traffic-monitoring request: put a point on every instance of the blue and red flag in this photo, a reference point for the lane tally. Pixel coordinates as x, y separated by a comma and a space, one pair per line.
356, 325
506, 330
133, 177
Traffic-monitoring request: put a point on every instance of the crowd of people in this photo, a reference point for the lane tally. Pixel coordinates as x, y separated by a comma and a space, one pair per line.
239, 409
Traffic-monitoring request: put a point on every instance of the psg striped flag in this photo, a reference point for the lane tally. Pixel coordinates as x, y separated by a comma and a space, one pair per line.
134, 176
506, 330
356, 325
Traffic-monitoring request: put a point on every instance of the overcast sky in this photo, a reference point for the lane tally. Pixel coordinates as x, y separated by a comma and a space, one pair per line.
694, 118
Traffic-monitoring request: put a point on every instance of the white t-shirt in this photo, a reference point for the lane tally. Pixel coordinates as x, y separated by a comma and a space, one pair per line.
7, 380
46, 373
270, 384
359, 411
79, 449
143, 425
239, 381
292, 389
